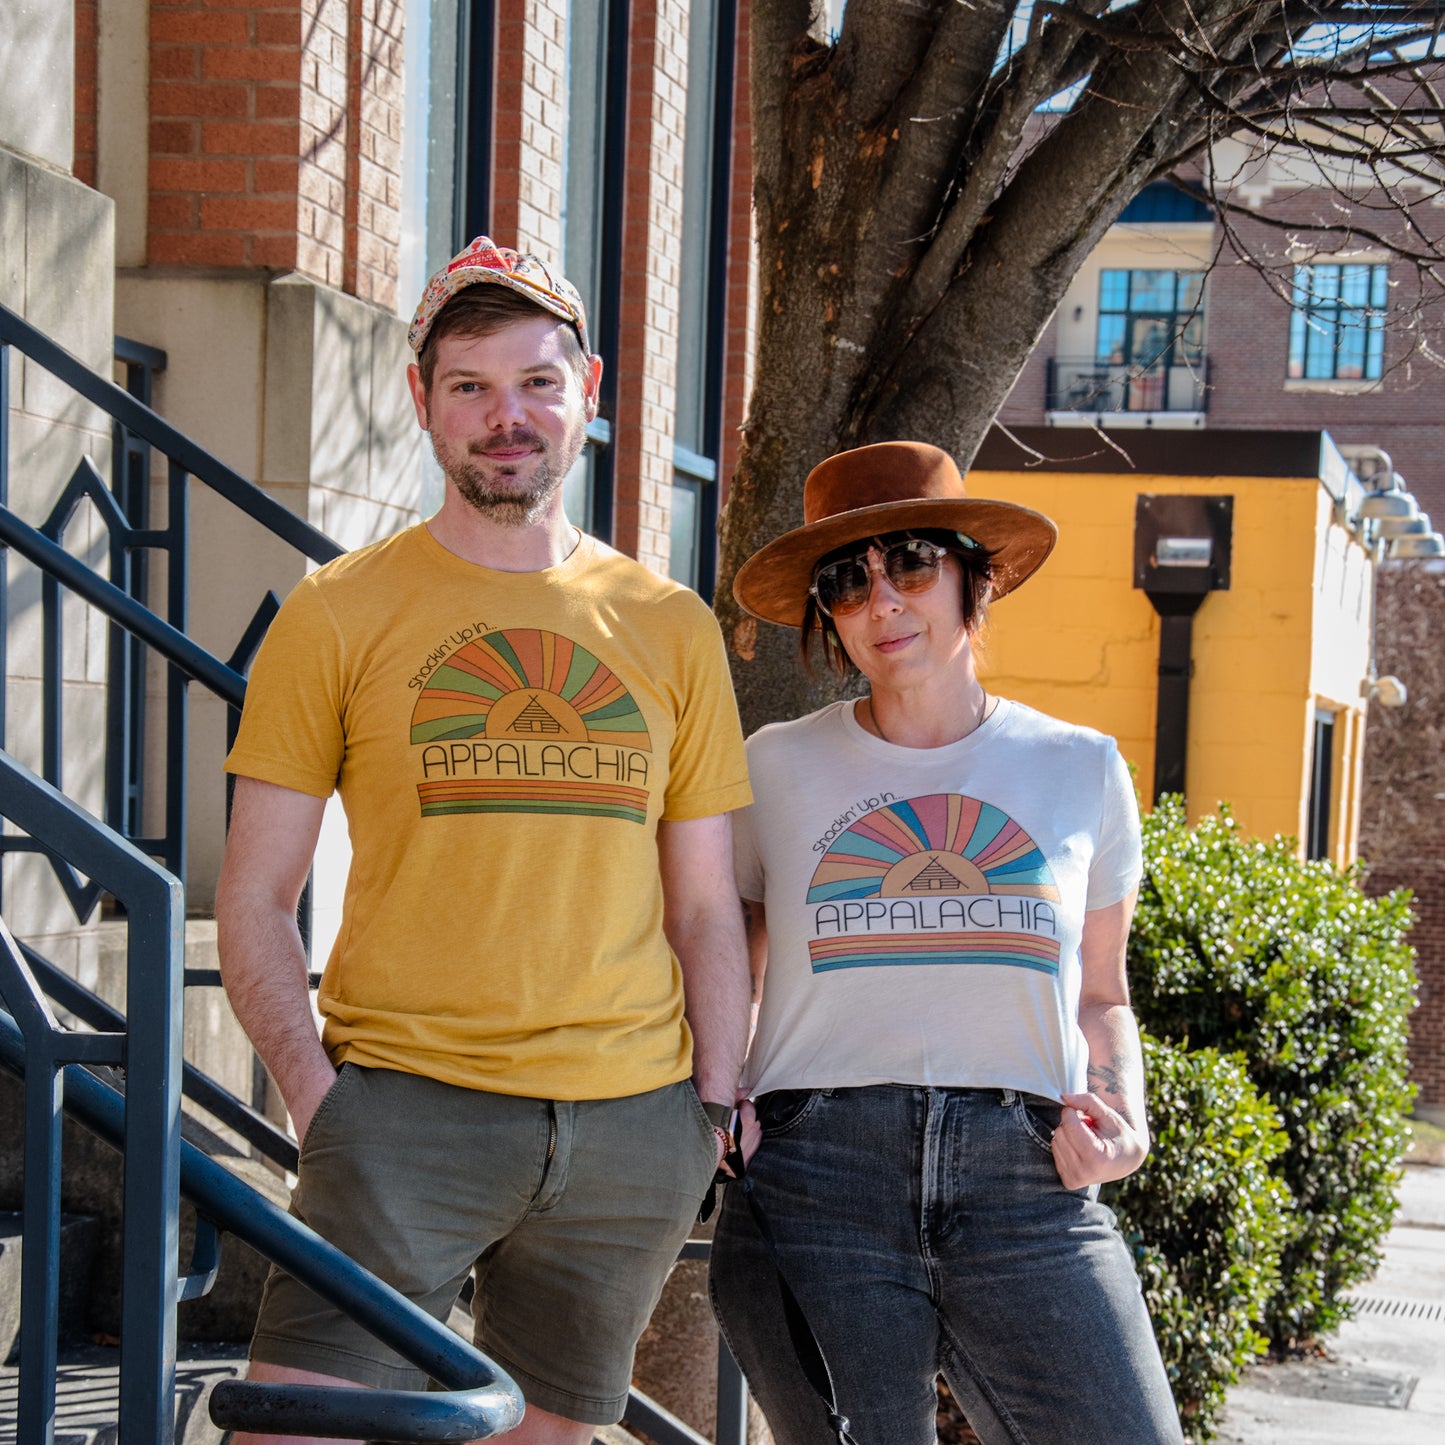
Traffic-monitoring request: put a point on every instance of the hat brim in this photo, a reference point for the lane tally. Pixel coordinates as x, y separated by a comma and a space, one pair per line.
773, 583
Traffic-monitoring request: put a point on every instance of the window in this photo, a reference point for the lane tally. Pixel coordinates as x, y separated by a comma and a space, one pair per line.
1152, 323
701, 328
1321, 802
593, 161
1337, 328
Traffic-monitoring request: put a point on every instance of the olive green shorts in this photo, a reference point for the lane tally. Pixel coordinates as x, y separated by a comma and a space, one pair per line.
571, 1215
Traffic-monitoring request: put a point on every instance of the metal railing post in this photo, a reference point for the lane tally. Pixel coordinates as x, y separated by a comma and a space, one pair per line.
732, 1399
151, 1054
151, 1230
39, 1282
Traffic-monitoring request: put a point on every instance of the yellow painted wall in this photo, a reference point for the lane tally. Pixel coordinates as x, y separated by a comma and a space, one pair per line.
1079, 641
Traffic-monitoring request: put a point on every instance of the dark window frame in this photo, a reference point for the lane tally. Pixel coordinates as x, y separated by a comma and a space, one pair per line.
700, 470
1318, 325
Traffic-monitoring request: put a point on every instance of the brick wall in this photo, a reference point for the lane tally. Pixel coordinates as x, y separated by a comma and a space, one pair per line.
83, 166
1402, 818
647, 359
275, 136
1247, 338
1247, 320
529, 124
373, 231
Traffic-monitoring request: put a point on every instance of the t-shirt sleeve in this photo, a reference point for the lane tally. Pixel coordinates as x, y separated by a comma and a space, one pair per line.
291, 729
1118, 858
708, 771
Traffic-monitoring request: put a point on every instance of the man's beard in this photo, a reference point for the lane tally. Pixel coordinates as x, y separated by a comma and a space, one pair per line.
497, 490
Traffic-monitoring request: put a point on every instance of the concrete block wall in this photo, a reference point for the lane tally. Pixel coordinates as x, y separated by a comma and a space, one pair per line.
56, 270
1256, 679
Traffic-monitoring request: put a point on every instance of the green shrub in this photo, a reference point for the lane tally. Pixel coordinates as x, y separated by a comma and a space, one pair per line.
1239, 946
1206, 1219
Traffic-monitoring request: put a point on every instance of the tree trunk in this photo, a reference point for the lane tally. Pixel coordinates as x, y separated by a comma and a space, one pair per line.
917, 225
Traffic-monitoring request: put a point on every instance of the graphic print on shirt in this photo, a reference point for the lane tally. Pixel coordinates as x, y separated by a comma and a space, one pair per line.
526, 721
932, 880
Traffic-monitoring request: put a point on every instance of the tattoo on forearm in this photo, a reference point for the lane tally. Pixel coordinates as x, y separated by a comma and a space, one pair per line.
1112, 1081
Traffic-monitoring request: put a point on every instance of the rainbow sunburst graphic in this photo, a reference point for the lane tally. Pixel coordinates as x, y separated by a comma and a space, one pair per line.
527, 721
932, 880
526, 684
941, 843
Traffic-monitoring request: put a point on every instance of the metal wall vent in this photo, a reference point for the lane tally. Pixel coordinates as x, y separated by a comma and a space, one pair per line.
1411, 1309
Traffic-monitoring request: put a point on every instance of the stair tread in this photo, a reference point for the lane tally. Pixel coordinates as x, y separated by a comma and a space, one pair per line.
87, 1392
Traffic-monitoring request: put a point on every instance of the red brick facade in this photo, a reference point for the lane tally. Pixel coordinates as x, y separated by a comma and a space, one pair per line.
85, 90
1247, 327
529, 124
1402, 838
1247, 338
646, 394
275, 145
275, 138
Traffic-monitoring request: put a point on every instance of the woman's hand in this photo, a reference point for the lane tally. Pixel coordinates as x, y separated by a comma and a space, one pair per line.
750, 1132
1095, 1143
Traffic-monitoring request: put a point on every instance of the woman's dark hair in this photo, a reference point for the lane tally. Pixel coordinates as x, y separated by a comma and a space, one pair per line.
975, 563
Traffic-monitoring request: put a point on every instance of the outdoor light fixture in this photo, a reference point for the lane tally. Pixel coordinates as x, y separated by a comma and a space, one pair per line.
1181, 555
1388, 506
1416, 526
1415, 548
1183, 551
1388, 691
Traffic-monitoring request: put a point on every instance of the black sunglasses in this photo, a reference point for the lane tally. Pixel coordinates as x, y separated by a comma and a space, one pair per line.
911, 565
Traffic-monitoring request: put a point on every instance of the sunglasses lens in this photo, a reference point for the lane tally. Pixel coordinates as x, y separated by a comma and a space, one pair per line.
842, 587
911, 566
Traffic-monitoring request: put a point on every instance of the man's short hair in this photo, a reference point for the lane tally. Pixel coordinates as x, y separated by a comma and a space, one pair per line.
485, 310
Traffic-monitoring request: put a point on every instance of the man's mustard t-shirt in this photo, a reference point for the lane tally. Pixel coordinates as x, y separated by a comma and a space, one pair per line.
504, 744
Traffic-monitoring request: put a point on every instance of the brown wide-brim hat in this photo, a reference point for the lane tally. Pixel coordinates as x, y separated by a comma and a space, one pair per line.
889, 487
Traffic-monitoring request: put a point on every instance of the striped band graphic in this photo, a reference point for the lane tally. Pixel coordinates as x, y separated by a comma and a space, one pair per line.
1019, 950
495, 795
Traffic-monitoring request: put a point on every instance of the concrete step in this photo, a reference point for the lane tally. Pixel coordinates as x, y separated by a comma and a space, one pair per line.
79, 1235
87, 1394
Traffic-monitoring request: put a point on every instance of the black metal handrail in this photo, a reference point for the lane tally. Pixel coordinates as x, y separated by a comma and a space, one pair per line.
123, 507
141, 421
478, 1398
268, 1140
151, 1053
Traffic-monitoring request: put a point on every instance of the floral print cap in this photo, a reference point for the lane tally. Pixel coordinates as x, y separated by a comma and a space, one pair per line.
528, 275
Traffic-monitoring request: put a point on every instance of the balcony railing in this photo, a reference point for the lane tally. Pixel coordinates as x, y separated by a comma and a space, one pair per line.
1085, 384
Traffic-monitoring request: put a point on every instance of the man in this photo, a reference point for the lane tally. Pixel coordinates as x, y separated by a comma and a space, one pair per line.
536, 744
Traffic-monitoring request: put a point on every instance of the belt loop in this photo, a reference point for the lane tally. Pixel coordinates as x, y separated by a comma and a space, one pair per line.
1007, 1098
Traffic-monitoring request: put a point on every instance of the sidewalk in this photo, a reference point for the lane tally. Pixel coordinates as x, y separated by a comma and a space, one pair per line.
1383, 1379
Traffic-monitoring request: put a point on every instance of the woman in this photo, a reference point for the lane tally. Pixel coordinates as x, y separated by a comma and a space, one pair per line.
939, 885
